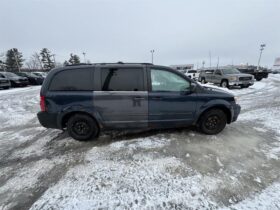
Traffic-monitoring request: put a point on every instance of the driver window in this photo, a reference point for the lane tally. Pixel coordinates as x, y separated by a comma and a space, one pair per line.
168, 81
218, 72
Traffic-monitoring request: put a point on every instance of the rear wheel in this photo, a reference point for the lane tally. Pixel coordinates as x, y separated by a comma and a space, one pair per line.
258, 78
212, 122
6, 87
82, 127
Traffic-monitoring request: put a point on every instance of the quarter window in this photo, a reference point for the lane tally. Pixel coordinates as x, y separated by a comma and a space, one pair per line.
72, 80
122, 79
168, 81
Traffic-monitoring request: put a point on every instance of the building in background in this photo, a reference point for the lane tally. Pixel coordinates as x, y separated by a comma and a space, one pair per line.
183, 67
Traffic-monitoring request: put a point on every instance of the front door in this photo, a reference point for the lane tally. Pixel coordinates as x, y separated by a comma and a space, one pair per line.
171, 102
217, 76
123, 99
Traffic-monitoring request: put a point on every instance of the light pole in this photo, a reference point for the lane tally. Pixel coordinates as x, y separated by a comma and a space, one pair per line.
152, 52
203, 63
262, 48
210, 59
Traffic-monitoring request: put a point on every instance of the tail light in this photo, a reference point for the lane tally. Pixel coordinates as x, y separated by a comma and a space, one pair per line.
43, 103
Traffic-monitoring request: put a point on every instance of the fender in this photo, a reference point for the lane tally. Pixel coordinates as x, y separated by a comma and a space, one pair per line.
212, 104
79, 109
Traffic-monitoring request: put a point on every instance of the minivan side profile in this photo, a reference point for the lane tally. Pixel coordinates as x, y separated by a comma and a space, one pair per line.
87, 99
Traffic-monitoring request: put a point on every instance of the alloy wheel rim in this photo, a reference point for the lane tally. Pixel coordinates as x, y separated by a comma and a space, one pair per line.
212, 122
81, 128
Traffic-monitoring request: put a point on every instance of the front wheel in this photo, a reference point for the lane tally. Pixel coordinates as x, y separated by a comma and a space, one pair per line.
224, 84
203, 81
82, 127
212, 122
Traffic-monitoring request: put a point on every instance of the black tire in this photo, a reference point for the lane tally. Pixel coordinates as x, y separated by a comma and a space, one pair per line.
212, 121
244, 86
82, 127
6, 88
203, 81
224, 84
258, 79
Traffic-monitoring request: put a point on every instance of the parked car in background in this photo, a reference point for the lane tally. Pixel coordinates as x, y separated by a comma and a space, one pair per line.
87, 99
32, 78
4, 82
226, 77
15, 80
276, 71
41, 74
193, 74
258, 74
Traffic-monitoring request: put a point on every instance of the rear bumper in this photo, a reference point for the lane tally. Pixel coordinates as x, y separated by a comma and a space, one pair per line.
48, 120
236, 110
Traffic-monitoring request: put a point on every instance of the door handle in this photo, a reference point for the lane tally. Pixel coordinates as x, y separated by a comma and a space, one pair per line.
157, 97
139, 98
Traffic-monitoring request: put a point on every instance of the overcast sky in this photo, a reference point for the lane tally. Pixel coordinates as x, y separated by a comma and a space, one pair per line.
180, 31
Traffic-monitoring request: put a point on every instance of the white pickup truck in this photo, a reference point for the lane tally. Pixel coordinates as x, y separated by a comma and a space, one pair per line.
193, 74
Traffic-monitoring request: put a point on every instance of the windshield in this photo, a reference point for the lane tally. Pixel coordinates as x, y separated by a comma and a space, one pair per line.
231, 71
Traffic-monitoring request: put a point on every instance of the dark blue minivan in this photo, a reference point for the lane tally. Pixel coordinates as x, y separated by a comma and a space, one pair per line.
87, 99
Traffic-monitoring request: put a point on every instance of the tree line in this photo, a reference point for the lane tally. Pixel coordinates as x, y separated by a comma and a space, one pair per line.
13, 60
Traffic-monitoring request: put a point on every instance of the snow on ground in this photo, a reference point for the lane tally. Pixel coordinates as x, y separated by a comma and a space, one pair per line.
175, 169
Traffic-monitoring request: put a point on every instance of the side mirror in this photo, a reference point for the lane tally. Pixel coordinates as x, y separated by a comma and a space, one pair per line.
190, 90
193, 87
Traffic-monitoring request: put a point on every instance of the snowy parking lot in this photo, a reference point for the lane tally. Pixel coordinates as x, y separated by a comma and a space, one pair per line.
175, 169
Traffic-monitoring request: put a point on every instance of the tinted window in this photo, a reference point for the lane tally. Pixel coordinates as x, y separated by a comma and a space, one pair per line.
75, 79
218, 72
122, 79
168, 81
192, 71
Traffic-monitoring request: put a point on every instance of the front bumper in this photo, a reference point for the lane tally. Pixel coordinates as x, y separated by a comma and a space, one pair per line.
235, 112
6, 84
47, 120
20, 83
240, 83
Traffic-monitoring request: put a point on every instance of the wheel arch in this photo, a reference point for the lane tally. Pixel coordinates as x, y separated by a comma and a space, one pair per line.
66, 116
222, 107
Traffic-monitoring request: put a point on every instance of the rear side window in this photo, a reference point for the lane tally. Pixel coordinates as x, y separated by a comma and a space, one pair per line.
122, 79
72, 80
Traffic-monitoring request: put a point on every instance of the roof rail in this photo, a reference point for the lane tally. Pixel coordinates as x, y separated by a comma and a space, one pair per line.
78, 64
122, 63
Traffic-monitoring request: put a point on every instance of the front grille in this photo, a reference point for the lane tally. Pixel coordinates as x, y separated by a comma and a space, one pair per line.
244, 78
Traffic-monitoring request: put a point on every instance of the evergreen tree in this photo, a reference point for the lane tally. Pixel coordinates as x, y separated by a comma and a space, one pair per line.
74, 59
46, 59
14, 60
65, 63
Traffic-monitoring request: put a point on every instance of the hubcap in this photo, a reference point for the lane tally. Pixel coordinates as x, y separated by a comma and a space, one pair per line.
81, 128
224, 84
212, 122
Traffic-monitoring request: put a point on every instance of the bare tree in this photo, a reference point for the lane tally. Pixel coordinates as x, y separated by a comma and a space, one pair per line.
34, 62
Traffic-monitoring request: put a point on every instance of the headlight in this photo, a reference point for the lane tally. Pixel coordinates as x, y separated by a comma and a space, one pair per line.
236, 99
232, 78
